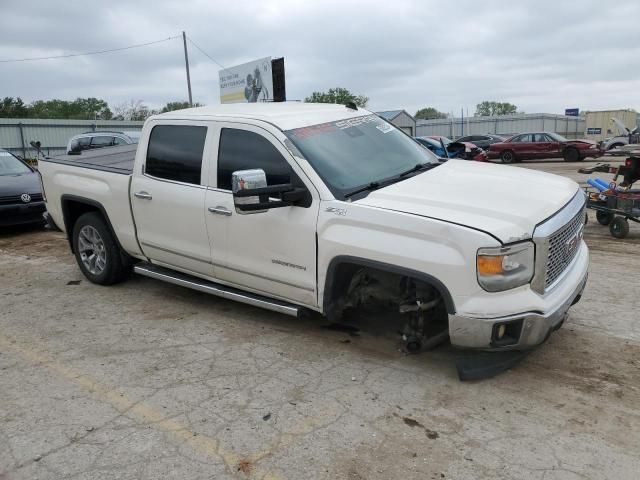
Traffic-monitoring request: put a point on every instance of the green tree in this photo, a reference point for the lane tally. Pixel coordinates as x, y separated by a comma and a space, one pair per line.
492, 108
171, 106
13, 108
429, 113
79, 109
337, 95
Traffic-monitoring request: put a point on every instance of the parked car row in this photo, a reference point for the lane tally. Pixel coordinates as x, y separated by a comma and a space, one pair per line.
528, 146
445, 148
518, 147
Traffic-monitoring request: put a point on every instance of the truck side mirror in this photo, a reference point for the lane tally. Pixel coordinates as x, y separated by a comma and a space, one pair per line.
251, 194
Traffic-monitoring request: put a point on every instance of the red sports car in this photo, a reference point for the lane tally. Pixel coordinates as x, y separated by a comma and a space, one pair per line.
526, 146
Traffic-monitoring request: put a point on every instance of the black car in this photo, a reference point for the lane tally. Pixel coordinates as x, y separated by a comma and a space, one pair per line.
20, 192
482, 141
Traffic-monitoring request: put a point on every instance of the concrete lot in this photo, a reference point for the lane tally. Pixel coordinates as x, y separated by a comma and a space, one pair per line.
147, 380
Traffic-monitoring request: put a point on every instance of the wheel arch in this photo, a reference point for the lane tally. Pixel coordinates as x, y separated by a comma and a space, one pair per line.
74, 206
342, 267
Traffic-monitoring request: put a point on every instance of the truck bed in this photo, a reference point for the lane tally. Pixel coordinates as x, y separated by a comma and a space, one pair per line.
109, 159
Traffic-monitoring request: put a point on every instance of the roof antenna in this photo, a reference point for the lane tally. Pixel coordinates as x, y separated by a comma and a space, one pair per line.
351, 105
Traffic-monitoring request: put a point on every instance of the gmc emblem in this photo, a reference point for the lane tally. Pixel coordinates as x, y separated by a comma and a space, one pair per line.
571, 245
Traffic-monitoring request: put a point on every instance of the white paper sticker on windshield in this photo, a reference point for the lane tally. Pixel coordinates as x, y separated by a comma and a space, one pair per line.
5, 154
384, 127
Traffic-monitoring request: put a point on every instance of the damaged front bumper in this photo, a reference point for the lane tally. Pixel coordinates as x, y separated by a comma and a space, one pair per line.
514, 332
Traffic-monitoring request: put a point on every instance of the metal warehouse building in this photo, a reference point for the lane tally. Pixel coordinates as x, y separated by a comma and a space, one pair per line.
53, 135
401, 119
570, 127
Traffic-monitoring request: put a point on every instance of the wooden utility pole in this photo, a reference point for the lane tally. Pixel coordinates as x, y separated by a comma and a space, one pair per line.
186, 64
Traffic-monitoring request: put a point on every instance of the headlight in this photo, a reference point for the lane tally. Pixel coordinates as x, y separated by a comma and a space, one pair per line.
502, 268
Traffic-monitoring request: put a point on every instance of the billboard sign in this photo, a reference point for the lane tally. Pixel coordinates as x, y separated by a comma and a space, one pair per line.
247, 83
572, 112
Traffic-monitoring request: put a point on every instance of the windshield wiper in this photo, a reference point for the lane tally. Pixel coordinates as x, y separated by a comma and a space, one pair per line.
417, 168
383, 183
367, 188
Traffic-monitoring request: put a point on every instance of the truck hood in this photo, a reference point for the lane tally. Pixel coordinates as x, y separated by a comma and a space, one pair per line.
504, 201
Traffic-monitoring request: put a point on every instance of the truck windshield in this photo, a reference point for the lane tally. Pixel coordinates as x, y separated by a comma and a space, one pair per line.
10, 165
352, 153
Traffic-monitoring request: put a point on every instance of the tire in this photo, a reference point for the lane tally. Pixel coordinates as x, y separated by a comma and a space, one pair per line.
619, 227
508, 156
97, 253
571, 155
603, 218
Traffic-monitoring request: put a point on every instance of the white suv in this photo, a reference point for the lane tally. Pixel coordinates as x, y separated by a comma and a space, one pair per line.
90, 140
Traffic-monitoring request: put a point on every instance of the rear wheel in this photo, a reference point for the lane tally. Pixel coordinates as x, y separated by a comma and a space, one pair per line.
619, 227
571, 155
96, 250
507, 156
604, 218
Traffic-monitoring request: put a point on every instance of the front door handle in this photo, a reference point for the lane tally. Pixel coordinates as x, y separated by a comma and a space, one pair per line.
219, 210
143, 195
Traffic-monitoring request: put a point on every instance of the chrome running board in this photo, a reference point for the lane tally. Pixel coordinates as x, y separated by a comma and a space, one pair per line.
184, 280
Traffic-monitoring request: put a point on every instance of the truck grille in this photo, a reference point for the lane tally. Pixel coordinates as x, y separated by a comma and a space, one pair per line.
564, 244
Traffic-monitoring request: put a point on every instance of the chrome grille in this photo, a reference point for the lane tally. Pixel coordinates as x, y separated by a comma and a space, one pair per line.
10, 200
564, 244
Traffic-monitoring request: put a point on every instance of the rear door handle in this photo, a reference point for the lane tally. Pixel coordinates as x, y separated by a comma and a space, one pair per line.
219, 210
143, 195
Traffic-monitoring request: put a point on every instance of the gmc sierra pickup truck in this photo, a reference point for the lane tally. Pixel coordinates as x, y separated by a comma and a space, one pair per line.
297, 206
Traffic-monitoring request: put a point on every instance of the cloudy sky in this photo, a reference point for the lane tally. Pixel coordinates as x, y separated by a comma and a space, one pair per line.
544, 56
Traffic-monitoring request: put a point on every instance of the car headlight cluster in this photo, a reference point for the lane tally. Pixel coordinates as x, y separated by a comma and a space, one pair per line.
503, 268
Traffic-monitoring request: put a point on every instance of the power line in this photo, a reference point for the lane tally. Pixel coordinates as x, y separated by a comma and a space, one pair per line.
205, 53
97, 52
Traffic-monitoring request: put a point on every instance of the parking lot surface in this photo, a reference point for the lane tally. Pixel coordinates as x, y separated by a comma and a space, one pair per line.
146, 380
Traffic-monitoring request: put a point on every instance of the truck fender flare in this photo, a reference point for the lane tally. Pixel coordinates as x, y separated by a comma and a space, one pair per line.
66, 199
387, 267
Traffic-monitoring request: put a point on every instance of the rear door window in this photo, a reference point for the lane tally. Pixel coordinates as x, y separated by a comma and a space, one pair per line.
101, 141
175, 153
244, 150
79, 144
522, 138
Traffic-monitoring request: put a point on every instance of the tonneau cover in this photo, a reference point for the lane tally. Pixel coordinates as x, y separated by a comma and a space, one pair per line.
110, 159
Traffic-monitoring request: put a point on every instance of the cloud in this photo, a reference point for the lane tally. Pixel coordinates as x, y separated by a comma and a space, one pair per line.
541, 55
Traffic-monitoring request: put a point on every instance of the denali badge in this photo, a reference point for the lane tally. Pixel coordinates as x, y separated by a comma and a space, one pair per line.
25, 197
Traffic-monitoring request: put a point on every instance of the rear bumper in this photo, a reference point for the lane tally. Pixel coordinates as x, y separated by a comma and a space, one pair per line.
17, 214
531, 328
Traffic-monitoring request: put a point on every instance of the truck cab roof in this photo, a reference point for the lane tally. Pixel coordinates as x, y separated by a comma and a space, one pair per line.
283, 115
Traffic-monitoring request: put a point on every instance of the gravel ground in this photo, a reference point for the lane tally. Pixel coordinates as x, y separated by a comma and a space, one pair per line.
146, 380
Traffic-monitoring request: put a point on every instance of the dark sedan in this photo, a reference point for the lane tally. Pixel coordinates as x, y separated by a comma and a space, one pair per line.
527, 146
20, 192
482, 141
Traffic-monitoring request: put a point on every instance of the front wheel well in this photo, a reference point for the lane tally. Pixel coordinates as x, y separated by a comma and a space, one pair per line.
338, 292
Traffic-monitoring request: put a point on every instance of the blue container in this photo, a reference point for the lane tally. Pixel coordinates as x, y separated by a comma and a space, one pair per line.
596, 185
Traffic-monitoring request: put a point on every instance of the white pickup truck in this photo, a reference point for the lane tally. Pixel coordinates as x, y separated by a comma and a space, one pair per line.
297, 206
